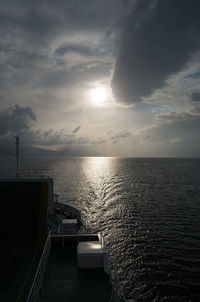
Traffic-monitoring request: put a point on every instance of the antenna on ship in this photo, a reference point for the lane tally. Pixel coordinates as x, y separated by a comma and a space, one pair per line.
17, 155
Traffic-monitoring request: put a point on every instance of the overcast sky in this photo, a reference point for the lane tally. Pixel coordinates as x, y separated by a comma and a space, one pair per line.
101, 78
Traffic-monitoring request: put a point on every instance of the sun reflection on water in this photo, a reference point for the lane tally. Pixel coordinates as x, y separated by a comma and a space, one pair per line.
98, 171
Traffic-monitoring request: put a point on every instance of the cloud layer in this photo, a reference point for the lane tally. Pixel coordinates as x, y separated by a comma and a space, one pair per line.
14, 121
53, 54
47, 46
175, 134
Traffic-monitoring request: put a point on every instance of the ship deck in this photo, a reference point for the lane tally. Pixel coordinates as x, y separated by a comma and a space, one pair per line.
19, 257
64, 281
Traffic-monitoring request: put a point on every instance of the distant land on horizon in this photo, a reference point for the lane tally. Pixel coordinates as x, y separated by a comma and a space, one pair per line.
29, 151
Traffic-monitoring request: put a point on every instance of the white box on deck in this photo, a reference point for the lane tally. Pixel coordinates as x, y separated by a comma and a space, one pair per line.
69, 224
90, 254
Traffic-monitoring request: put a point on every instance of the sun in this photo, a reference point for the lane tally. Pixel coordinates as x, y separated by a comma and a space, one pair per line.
99, 95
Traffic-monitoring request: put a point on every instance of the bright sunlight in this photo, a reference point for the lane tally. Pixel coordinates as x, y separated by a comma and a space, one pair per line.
99, 95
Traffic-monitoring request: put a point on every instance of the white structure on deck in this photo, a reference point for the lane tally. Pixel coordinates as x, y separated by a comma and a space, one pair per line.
90, 254
69, 225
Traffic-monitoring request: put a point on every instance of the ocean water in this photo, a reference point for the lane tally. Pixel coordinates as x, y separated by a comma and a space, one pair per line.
149, 213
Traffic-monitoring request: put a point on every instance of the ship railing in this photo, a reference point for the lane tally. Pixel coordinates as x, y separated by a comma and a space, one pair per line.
39, 276
41, 173
117, 290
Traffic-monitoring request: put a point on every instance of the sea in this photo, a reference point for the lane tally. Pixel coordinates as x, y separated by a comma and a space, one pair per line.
148, 210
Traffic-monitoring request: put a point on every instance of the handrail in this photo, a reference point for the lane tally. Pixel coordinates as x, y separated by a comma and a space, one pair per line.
37, 282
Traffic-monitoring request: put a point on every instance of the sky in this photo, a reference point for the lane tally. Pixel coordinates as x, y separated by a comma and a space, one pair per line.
100, 78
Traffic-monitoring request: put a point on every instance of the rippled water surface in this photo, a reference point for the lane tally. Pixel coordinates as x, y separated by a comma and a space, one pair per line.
148, 210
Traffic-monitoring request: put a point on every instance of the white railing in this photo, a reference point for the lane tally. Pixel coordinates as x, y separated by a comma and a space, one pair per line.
117, 291
37, 282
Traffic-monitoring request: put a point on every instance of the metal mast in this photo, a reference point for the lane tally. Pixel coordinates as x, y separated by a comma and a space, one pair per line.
17, 155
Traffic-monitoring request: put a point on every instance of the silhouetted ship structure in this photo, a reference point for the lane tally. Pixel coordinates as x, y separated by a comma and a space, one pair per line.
46, 253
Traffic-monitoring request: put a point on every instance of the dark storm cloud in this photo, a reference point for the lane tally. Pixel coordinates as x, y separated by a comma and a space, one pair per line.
15, 120
158, 41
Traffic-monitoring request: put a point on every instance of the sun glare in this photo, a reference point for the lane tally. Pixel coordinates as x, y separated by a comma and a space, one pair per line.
99, 95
